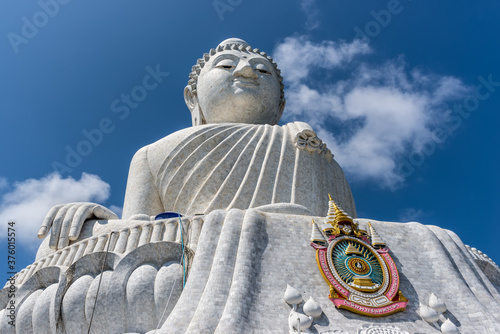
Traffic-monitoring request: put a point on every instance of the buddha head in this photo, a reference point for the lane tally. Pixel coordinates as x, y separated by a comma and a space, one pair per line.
235, 83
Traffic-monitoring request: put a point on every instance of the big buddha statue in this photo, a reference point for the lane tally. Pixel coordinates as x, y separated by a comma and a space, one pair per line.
252, 197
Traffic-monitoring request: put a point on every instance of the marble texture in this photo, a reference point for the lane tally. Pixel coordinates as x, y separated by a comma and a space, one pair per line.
248, 189
238, 277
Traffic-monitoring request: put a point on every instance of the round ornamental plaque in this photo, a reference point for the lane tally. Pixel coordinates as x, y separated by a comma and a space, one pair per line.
356, 264
358, 267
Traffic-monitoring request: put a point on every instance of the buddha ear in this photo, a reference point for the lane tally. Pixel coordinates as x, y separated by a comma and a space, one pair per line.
191, 100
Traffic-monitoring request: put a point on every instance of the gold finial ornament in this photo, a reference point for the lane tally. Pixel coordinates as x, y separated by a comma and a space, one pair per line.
317, 236
340, 215
337, 215
330, 217
376, 240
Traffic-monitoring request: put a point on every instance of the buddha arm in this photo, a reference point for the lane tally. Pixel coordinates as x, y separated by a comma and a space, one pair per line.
141, 196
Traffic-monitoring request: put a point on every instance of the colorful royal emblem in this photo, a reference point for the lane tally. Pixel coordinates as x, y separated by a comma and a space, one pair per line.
362, 276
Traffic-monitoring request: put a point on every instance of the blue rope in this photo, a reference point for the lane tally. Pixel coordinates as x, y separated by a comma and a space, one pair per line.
183, 261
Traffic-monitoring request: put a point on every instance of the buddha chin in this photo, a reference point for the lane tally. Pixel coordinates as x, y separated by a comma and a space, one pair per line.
244, 107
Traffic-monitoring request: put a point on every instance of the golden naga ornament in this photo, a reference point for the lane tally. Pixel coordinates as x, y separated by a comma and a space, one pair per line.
356, 264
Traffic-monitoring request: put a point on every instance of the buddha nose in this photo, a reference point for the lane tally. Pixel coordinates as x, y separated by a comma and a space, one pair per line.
244, 69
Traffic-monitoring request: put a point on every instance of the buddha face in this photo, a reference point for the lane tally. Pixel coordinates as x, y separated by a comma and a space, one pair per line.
238, 87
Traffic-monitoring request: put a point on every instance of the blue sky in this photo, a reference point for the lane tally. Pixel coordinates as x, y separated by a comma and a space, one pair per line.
405, 93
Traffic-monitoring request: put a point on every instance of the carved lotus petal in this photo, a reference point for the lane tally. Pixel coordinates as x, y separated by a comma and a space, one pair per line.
312, 308
292, 295
437, 304
428, 314
449, 328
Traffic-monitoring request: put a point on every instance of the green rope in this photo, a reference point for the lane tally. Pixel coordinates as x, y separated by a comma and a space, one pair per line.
175, 281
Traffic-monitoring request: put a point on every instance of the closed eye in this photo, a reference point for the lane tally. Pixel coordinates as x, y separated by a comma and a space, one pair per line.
226, 64
262, 69
226, 67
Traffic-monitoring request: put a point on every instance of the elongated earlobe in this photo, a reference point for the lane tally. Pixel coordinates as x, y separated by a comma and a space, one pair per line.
190, 97
191, 100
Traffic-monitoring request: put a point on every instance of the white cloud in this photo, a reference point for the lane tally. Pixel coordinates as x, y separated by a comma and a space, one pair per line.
297, 56
373, 113
312, 13
29, 201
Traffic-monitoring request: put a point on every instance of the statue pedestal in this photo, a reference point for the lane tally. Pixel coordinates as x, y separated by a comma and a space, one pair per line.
239, 264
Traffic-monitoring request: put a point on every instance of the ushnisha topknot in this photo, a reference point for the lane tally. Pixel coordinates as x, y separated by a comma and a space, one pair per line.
232, 44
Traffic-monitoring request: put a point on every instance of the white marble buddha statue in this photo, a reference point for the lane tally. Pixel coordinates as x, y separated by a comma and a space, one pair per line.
234, 156
248, 190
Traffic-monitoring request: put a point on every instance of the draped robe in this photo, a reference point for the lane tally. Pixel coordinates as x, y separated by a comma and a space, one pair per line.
258, 187
223, 166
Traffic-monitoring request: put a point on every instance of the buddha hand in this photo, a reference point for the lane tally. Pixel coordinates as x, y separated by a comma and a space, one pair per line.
67, 221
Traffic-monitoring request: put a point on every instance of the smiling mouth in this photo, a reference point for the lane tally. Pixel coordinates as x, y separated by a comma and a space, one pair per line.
246, 82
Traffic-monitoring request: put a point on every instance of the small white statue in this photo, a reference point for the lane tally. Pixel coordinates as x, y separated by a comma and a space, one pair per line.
300, 322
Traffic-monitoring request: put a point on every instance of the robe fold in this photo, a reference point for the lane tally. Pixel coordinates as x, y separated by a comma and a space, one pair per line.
224, 166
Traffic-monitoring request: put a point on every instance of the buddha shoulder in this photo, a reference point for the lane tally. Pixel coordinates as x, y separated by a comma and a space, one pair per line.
203, 138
